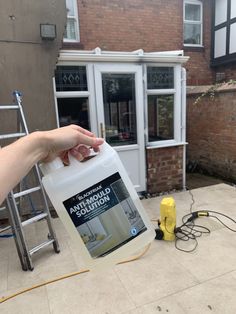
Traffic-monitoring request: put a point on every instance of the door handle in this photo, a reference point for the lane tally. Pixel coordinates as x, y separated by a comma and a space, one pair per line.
102, 131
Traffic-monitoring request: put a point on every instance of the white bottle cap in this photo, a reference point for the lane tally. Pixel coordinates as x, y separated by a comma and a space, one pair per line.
51, 166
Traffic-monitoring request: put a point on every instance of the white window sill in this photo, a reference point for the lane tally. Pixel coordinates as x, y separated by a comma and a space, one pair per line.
193, 46
71, 41
154, 146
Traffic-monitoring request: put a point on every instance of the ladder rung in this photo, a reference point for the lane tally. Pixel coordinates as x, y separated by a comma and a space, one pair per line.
9, 107
5, 229
25, 192
40, 246
34, 219
12, 135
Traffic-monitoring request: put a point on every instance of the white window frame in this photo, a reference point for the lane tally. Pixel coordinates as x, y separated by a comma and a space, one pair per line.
76, 19
196, 2
79, 94
176, 91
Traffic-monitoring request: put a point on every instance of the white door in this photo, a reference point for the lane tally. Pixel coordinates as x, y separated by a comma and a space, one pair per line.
120, 115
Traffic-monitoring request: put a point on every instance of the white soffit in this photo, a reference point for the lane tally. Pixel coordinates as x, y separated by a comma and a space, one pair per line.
97, 55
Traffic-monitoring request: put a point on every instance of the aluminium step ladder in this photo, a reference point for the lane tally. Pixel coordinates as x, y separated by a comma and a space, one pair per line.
16, 223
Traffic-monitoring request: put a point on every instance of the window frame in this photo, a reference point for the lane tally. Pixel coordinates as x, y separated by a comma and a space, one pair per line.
228, 57
78, 94
176, 92
195, 2
76, 19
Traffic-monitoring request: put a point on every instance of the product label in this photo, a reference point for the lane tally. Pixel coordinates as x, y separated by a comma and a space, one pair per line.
105, 216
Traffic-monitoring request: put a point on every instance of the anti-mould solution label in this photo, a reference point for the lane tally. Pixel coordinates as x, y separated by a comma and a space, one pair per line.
105, 216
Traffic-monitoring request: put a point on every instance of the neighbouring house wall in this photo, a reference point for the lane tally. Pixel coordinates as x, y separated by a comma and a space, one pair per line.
198, 67
127, 25
225, 73
27, 64
211, 125
164, 169
26, 61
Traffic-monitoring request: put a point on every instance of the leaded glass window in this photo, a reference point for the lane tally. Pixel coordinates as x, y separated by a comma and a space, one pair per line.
71, 78
160, 77
161, 104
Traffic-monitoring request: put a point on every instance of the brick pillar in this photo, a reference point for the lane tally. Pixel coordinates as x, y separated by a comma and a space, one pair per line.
164, 169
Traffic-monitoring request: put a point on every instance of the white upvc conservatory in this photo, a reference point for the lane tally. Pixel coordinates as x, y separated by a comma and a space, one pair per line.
135, 100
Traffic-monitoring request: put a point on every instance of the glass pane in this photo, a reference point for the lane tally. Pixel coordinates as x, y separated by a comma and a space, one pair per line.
233, 9
232, 41
71, 78
70, 7
160, 117
119, 108
74, 111
192, 12
220, 43
192, 34
160, 77
221, 11
70, 29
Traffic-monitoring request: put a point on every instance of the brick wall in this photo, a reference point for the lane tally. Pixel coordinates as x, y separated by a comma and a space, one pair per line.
226, 72
127, 25
211, 134
164, 169
198, 68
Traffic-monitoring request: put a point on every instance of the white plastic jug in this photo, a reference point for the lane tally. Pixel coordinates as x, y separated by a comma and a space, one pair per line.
99, 207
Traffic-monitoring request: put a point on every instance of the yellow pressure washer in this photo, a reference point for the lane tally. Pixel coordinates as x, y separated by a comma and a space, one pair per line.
167, 221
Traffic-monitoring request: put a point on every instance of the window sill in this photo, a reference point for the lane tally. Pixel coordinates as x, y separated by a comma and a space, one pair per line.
72, 44
166, 145
194, 48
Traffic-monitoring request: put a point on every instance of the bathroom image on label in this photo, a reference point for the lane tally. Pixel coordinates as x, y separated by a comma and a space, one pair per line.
113, 226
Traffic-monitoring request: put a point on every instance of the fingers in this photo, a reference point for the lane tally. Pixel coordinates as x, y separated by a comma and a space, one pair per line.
94, 142
82, 130
62, 140
80, 152
87, 137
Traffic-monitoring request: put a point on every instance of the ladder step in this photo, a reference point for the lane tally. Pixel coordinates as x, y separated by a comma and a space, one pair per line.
9, 107
5, 229
40, 246
34, 219
25, 192
13, 198
12, 135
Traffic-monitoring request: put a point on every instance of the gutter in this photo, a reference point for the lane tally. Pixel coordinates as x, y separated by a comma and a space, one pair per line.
138, 56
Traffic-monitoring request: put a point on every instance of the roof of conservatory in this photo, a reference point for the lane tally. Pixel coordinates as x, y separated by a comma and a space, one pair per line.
98, 55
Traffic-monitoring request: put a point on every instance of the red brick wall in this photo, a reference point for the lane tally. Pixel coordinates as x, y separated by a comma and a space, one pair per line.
226, 72
211, 134
164, 169
198, 67
127, 25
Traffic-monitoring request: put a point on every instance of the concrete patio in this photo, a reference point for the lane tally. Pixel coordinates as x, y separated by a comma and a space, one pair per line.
164, 280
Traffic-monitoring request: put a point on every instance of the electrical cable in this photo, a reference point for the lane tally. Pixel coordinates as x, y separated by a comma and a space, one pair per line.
4, 299
6, 235
189, 230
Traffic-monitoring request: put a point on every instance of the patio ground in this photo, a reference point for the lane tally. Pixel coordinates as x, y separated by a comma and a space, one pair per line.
164, 280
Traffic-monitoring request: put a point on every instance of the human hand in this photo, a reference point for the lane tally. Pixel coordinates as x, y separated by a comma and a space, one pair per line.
73, 139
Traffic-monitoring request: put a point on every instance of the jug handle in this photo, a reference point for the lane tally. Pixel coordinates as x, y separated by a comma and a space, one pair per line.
104, 149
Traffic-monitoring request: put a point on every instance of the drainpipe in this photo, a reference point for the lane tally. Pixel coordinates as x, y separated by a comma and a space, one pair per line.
183, 126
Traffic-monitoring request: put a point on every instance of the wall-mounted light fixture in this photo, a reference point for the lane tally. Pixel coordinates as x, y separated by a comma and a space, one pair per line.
48, 31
